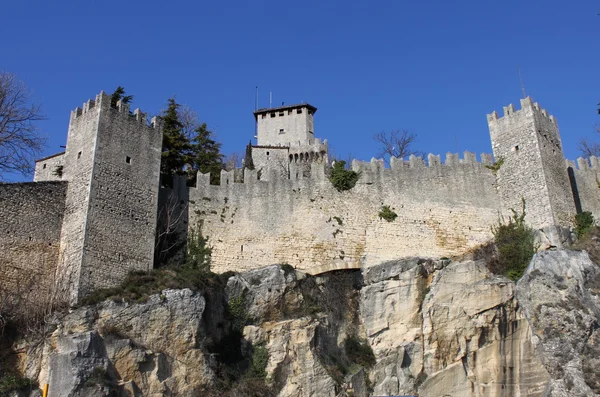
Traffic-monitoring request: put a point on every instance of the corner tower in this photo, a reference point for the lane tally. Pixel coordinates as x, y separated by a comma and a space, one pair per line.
112, 165
527, 144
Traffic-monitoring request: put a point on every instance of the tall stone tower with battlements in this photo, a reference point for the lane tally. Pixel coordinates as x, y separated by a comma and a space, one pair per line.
112, 166
286, 141
528, 150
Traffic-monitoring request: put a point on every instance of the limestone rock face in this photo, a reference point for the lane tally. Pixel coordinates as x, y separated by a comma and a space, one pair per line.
447, 328
432, 328
150, 348
560, 296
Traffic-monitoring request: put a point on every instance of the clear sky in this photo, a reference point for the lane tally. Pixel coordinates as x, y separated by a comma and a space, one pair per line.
434, 68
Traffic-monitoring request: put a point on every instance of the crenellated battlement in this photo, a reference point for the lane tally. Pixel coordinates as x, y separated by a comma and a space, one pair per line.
583, 164
102, 102
527, 105
375, 169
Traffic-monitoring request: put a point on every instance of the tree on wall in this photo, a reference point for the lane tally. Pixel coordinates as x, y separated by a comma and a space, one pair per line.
119, 95
20, 140
175, 147
396, 143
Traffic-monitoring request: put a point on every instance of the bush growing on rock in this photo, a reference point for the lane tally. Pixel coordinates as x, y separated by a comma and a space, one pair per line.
514, 243
584, 222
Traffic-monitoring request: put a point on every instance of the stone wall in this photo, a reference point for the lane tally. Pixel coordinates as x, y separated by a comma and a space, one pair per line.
49, 168
78, 169
442, 210
586, 184
31, 215
555, 171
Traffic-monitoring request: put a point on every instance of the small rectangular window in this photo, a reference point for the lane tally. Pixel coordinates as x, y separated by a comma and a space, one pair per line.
299, 111
272, 114
281, 113
289, 111
79, 155
263, 115
44, 167
281, 130
128, 160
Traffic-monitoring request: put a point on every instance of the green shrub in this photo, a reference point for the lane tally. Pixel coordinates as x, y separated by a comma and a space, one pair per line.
386, 213
198, 252
258, 362
515, 245
238, 314
341, 178
358, 351
496, 166
100, 377
584, 222
13, 383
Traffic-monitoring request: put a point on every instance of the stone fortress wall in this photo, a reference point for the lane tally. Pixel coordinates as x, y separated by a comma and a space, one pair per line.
31, 216
102, 206
442, 210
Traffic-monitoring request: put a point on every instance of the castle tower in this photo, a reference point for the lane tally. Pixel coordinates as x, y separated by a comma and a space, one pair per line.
286, 141
112, 165
527, 145
285, 125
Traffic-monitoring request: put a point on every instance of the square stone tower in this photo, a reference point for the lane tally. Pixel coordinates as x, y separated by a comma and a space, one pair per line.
112, 165
286, 142
285, 125
527, 144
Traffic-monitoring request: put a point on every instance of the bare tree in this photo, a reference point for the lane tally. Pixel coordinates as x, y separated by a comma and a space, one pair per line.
233, 161
20, 139
189, 119
589, 148
396, 143
171, 231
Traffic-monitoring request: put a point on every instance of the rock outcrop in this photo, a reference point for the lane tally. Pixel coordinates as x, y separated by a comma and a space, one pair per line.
408, 327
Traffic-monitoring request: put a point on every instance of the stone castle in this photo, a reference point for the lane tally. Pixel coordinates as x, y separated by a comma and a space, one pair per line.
90, 216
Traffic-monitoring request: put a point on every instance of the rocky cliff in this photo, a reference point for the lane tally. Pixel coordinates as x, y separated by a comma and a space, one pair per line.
408, 327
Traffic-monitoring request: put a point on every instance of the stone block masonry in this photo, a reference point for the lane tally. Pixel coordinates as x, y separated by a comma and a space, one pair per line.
442, 209
31, 216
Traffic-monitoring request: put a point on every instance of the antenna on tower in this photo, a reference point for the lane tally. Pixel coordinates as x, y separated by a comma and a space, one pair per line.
270, 99
255, 109
522, 85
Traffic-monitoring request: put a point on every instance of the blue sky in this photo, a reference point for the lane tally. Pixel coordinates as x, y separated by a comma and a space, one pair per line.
434, 68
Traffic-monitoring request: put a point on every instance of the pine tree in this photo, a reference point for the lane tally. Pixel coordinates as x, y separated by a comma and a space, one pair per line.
176, 147
205, 154
248, 162
119, 94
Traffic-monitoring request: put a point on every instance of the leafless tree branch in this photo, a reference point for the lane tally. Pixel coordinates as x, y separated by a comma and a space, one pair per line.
589, 148
232, 161
396, 143
189, 119
20, 140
